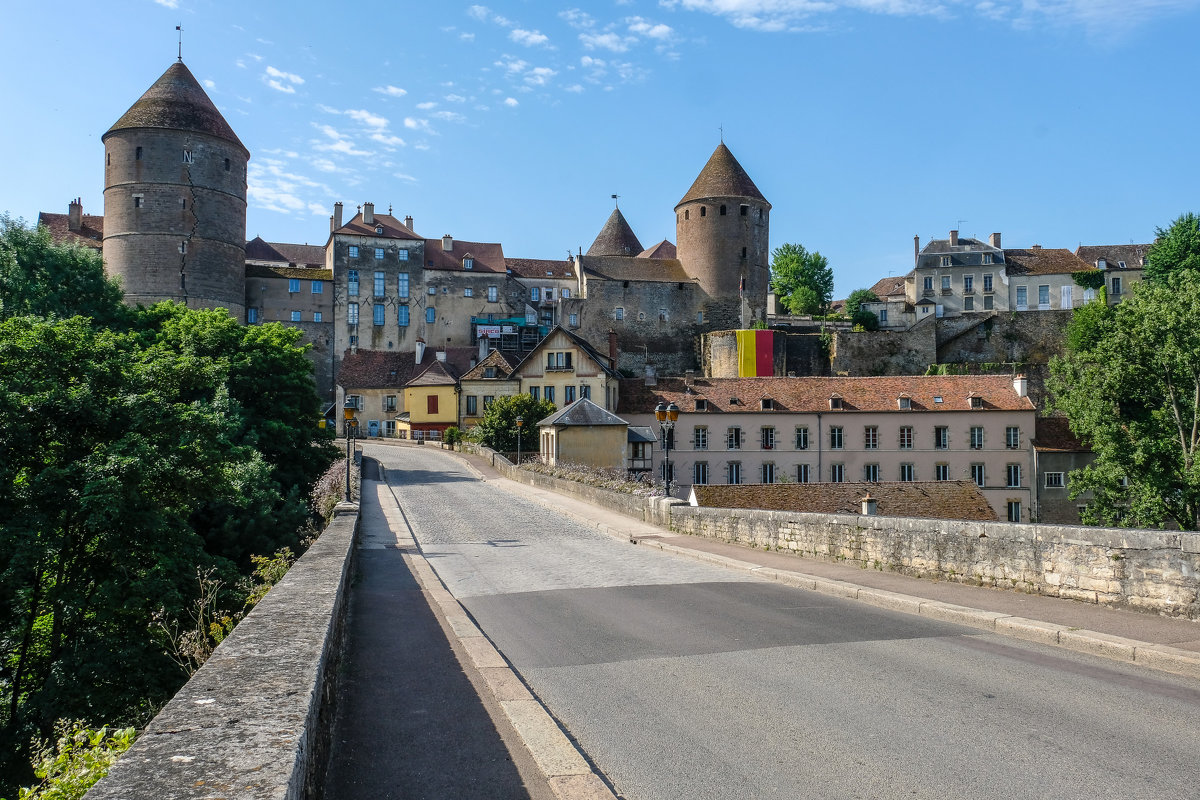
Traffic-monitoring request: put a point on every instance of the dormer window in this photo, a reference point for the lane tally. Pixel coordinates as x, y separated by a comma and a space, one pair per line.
904, 402
468, 263
976, 401
945, 261
835, 402
701, 404
987, 258
1121, 264
379, 229
733, 401
766, 404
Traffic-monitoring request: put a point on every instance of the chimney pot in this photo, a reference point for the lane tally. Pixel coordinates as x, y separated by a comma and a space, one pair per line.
337, 216
75, 215
994, 241
447, 243
954, 238
1021, 385
369, 213
420, 351
916, 249
408, 223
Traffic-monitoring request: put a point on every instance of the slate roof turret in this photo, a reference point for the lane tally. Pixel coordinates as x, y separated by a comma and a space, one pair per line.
616, 238
722, 176
176, 101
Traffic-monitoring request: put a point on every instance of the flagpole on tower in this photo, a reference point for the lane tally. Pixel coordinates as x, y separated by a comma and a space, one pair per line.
180, 29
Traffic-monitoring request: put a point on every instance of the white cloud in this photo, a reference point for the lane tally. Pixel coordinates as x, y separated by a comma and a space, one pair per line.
209, 83
449, 116
421, 146
538, 76
467, 37
272, 186
239, 64
402, 176
317, 209
340, 142
390, 91
455, 98
366, 118
512, 65
427, 105
644, 27
414, 124
606, 41
323, 164
574, 87
168, 3
511, 102
281, 81
528, 38
387, 139
577, 18
485, 14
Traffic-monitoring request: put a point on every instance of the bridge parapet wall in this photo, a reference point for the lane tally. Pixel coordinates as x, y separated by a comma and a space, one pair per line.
253, 722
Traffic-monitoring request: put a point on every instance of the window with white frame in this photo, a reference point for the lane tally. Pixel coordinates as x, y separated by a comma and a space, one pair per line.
871, 473
733, 473
1014, 510
837, 473
871, 437
468, 291
767, 473
535, 294
987, 258
472, 405
1012, 437
977, 437
296, 316
352, 282
987, 282
378, 314
907, 472
700, 437
293, 284
352, 313
767, 440
941, 437
1054, 480
1043, 296
380, 279
979, 475
353, 251
700, 473
803, 473
493, 294
1012, 473
941, 472
835, 437
379, 254
733, 439
402, 254
945, 261
802, 437
906, 437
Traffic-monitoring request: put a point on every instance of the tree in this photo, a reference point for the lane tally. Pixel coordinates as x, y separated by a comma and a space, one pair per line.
499, 423
1175, 249
41, 278
1130, 386
802, 281
857, 313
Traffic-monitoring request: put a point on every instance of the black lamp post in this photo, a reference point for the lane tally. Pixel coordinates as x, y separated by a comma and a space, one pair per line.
520, 422
666, 414
351, 426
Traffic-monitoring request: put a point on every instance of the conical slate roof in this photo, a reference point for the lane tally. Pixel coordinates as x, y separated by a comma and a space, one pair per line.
616, 238
722, 176
176, 101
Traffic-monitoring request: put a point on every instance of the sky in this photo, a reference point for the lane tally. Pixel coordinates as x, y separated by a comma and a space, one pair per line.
863, 122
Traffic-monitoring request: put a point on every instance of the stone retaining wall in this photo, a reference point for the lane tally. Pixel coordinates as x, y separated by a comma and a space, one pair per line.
254, 722
1156, 571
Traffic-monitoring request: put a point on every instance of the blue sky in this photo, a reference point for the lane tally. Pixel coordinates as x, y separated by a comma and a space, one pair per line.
864, 122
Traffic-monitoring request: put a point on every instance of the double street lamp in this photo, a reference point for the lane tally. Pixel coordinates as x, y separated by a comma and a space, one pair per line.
520, 422
351, 425
666, 414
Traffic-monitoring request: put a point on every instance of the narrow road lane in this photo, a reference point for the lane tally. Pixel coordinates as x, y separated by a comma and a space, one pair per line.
684, 680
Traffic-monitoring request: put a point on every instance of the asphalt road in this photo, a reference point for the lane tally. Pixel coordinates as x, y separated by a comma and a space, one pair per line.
684, 680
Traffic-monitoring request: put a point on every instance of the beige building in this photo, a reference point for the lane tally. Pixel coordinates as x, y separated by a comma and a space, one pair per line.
483, 383
564, 368
838, 430
374, 382
583, 433
1123, 266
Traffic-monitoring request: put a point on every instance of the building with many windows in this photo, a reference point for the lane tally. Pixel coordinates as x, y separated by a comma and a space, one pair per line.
844, 430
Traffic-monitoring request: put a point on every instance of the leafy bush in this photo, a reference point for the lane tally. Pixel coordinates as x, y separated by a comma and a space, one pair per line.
78, 760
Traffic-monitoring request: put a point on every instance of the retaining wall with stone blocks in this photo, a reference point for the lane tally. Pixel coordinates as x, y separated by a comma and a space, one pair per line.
253, 723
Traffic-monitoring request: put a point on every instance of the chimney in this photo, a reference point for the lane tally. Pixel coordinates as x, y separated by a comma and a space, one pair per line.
916, 249
869, 506
75, 215
1021, 385
408, 222
441, 356
612, 349
337, 215
332, 226
994, 241
420, 350
1036, 247
954, 238
689, 377
368, 213
483, 347
447, 243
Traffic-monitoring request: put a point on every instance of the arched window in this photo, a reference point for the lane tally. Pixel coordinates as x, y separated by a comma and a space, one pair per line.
687, 214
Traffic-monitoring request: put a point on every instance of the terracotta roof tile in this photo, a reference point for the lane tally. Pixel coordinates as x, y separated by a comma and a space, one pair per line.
300, 255
663, 249
625, 268
1044, 261
436, 374
269, 271
496, 359
392, 227
722, 176
889, 287
177, 101
616, 238
924, 499
810, 395
90, 234
1114, 254
489, 257
540, 268
1053, 434
376, 369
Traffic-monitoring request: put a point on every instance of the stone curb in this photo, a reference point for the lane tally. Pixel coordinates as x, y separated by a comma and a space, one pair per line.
567, 772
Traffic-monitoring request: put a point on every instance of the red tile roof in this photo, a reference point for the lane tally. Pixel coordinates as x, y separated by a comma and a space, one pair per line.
90, 234
540, 268
297, 255
489, 256
926, 499
1044, 261
889, 287
1114, 254
663, 249
496, 359
377, 369
392, 227
810, 395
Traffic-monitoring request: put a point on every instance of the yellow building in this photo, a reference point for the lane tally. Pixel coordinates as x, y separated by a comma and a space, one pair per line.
431, 400
583, 433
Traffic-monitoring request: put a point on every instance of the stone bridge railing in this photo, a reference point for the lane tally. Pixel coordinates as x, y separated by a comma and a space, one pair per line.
253, 722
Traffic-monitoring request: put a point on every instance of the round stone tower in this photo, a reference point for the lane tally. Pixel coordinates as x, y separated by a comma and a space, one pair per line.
721, 230
175, 199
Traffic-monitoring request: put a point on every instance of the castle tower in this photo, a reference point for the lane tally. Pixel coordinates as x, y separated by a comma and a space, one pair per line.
721, 230
616, 238
175, 199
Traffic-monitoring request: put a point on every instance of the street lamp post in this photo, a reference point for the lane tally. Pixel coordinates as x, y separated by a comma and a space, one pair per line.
351, 426
520, 422
666, 414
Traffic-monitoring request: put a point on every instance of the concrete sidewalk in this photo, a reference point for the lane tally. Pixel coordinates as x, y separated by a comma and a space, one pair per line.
1171, 645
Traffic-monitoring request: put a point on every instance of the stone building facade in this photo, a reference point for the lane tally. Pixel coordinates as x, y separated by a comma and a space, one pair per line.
175, 199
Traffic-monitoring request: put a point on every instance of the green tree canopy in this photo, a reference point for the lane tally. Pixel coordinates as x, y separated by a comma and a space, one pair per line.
802, 281
1177, 248
857, 313
499, 423
44, 279
1130, 386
